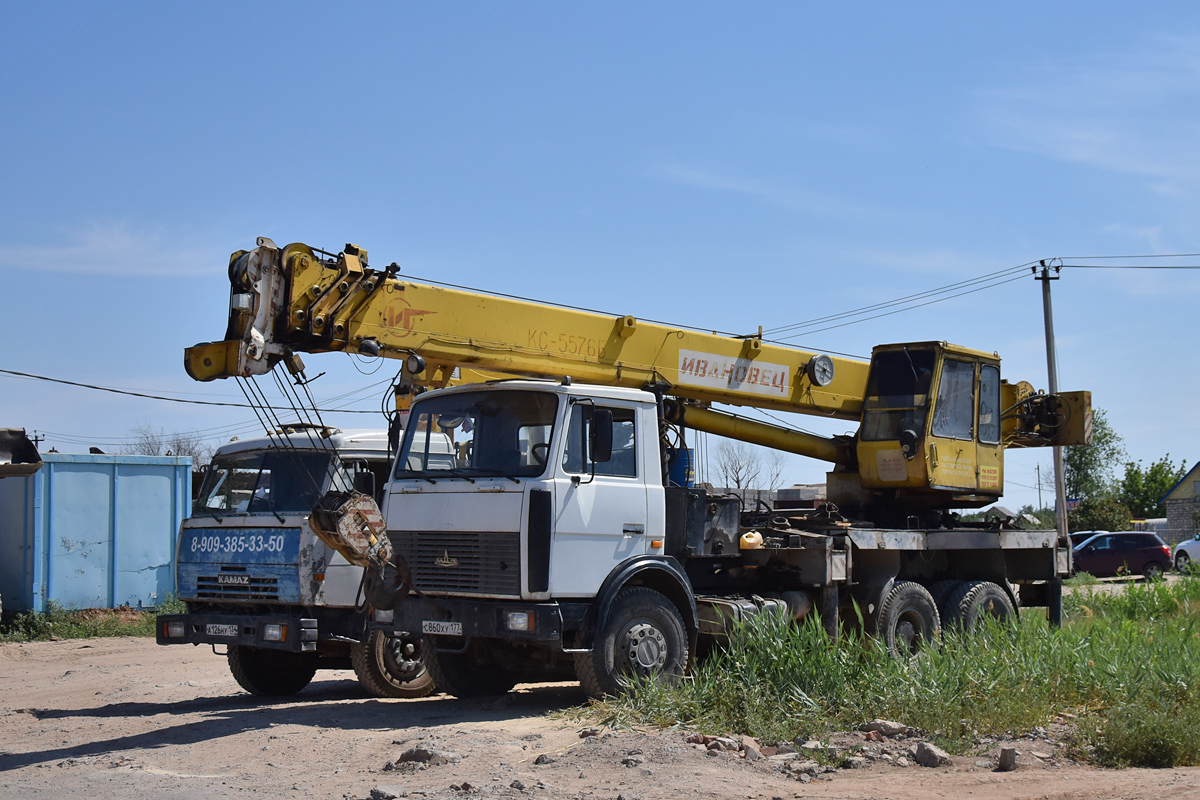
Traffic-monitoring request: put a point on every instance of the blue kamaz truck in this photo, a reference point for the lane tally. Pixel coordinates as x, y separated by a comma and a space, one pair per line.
260, 584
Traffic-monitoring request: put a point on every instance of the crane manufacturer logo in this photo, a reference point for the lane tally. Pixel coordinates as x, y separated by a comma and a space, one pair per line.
399, 315
445, 560
736, 374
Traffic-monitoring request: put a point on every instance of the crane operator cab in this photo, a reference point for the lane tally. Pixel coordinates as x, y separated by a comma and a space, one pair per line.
931, 432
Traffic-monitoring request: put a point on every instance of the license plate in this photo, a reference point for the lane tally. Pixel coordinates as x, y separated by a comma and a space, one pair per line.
233, 580
441, 628
221, 630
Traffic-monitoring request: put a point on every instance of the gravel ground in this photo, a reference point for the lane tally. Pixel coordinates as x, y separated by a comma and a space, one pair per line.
115, 718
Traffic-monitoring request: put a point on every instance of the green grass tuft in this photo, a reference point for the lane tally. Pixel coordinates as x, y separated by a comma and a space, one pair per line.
1128, 663
59, 622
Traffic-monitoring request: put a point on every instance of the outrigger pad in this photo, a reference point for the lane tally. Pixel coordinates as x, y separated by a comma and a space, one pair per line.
18, 456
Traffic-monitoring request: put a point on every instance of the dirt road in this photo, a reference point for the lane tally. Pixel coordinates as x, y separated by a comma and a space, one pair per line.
120, 718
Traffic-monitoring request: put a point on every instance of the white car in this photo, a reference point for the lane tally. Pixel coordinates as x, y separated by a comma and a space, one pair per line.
1186, 552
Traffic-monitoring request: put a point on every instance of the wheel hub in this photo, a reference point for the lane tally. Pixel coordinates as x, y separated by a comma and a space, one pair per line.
646, 648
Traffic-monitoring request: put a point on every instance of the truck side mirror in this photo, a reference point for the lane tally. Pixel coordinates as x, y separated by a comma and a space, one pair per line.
602, 435
364, 483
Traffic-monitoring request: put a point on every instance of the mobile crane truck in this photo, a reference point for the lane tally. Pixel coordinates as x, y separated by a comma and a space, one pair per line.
553, 543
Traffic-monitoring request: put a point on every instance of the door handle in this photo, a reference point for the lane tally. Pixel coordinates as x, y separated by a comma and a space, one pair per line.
631, 529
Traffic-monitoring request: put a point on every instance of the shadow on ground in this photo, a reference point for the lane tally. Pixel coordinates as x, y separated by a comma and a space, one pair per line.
323, 705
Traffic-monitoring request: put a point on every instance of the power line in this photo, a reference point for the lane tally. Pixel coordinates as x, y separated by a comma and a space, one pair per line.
991, 276
158, 396
906, 308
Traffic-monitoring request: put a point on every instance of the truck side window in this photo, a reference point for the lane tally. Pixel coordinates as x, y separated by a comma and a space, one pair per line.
955, 411
623, 463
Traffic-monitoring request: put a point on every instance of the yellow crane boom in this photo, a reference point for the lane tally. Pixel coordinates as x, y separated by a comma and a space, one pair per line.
934, 417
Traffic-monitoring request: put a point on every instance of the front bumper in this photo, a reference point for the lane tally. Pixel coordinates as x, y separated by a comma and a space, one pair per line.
479, 619
296, 634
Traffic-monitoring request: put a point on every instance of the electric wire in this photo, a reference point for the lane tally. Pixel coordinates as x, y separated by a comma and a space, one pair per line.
148, 396
898, 301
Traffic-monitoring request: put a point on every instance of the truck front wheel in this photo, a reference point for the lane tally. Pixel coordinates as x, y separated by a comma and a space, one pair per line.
908, 619
643, 637
472, 673
391, 666
271, 673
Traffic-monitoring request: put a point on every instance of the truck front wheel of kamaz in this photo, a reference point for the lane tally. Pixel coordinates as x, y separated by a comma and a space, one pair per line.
471, 673
391, 666
644, 637
908, 619
271, 673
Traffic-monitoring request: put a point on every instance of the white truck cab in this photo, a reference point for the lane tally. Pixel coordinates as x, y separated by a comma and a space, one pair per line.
551, 491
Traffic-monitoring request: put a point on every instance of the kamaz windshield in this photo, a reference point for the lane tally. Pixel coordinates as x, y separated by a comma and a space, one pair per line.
263, 482
480, 434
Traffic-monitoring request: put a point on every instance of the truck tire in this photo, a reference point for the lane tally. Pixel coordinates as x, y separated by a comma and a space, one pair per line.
908, 619
469, 674
644, 636
391, 666
271, 673
974, 600
941, 591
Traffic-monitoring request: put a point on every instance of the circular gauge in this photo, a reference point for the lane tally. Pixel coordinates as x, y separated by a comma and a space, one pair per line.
820, 370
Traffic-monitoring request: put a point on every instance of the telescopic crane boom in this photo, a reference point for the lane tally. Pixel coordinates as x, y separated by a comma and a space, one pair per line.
934, 417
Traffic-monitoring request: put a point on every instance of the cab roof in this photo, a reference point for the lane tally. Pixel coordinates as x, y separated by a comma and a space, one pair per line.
363, 441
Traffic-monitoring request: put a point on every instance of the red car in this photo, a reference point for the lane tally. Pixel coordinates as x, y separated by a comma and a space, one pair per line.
1128, 552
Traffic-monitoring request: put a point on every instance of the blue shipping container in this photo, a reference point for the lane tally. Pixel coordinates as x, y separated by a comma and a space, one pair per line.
92, 531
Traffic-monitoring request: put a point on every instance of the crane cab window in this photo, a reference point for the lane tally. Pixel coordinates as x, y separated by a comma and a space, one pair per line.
989, 404
897, 394
954, 414
623, 463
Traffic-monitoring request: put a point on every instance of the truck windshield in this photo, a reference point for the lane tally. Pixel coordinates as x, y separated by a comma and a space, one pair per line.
479, 434
897, 394
263, 482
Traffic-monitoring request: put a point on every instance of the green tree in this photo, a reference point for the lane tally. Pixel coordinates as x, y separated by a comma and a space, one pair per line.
1142, 489
1099, 514
1088, 468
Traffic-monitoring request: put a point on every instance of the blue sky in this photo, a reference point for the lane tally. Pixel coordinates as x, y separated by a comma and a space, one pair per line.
715, 164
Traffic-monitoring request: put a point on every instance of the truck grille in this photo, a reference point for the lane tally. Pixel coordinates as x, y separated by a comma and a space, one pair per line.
208, 588
462, 562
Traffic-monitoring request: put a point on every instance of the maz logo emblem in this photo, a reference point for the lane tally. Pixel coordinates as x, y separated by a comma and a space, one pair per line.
444, 560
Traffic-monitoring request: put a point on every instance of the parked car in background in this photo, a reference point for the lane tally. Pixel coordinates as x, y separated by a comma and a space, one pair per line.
1186, 552
1079, 537
1130, 552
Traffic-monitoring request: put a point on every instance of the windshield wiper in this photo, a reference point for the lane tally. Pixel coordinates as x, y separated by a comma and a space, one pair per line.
457, 472
496, 472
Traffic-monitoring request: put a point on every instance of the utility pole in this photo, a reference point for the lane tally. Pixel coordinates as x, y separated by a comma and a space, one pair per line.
1060, 495
1038, 466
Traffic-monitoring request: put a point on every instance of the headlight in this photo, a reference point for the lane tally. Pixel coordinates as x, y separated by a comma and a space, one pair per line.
383, 615
274, 633
518, 621
175, 630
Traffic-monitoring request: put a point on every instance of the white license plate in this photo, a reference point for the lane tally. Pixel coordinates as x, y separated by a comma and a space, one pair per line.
441, 628
221, 630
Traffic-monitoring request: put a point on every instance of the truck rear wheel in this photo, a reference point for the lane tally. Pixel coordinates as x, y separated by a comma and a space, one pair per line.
271, 673
974, 600
908, 619
643, 637
469, 674
390, 665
